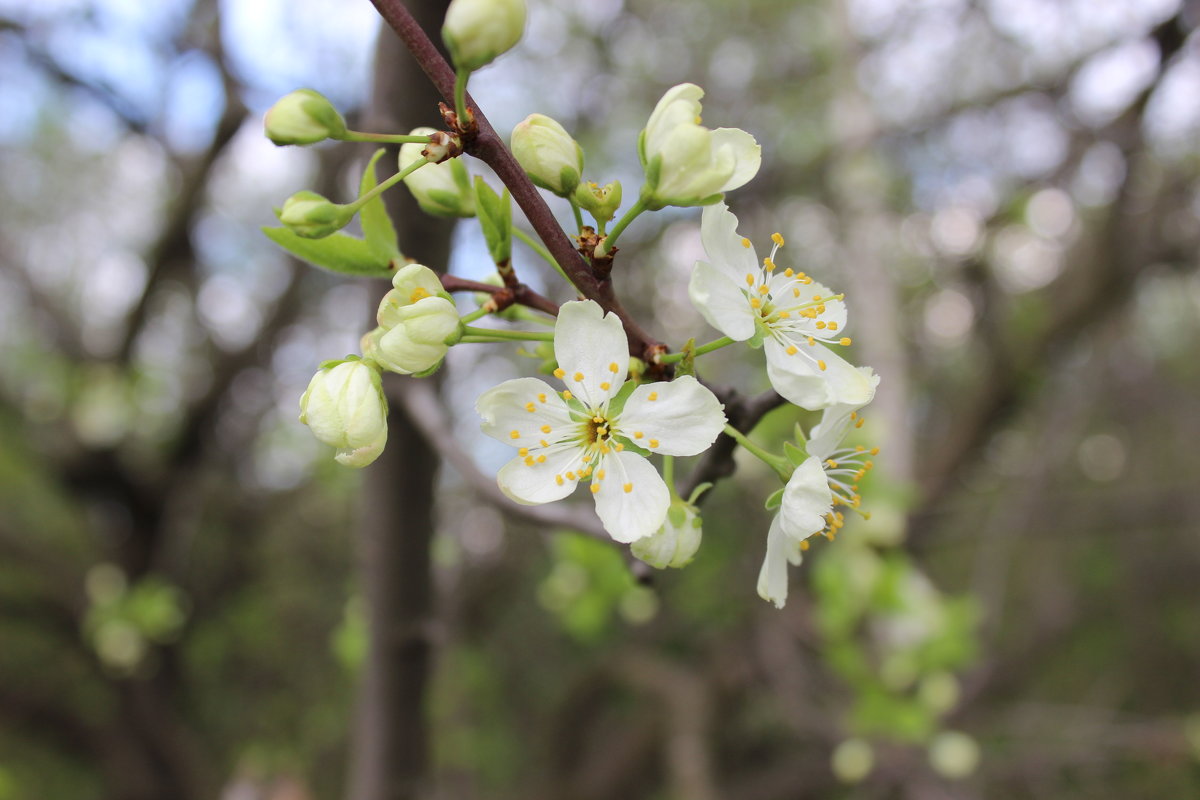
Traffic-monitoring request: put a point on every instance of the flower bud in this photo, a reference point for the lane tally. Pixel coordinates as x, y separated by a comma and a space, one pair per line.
548, 154
601, 202
676, 542
686, 163
303, 117
476, 32
344, 407
310, 215
415, 319
443, 190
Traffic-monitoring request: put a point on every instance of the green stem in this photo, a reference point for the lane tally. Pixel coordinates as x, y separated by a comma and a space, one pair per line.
500, 334
611, 239
777, 463
715, 344
383, 187
668, 474
460, 95
474, 315
578, 215
541, 250
386, 138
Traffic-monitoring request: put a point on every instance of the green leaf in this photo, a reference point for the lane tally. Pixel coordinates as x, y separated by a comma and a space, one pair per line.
377, 226
338, 253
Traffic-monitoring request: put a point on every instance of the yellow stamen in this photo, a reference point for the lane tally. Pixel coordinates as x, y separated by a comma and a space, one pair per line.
845, 341
749, 279
613, 368
789, 272
600, 475
833, 326
777, 239
515, 435
418, 294
578, 376
595, 488
541, 397
795, 292
544, 443
558, 479
546, 429
654, 442
820, 325
559, 373
638, 434
628, 488
524, 451
745, 243
763, 289
541, 459
652, 396
529, 461
755, 302
821, 364
567, 394
570, 475
530, 407
792, 349
604, 387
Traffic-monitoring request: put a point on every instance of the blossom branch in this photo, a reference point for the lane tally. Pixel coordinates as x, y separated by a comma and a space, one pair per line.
505, 296
486, 145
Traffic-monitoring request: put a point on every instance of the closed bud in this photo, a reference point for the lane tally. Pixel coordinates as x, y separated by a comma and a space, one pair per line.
303, 117
548, 154
415, 319
676, 542
344, 407
310, 215
601, 202
476, 32
443, 189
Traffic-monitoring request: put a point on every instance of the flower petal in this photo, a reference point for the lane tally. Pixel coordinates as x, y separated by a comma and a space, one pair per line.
799, 378
679, 105
773, 577
592, 350
725, 248
679, 418
505, 411
746, 151
632, 500
827, 434
721, 302
541, 482
807, 498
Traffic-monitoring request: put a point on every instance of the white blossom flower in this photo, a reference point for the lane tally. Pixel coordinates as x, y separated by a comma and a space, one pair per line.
415, 319
476, 32
686, 163
792, 316
547, 153
344, 406
676, 542
826, 479
587, 434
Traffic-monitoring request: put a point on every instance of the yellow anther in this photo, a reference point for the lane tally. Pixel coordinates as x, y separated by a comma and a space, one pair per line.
874, 451
845, 341
618, 446
858, 448
789, 272
821, 308
595, 488
853, 415
654, 442
578, 376
418, 294
602, 430
829, 462
833, 326
869, 465
515, 435
755, 302
541, 397
604, 449
745, 243
597, 420
530, 407
820, 325
811, 341
817, 298
764, 289
605, 386
558, 479
559, 373
652, 396
749, 278
524, 451
785, 314
613, 368
567, 394
806, 281
795, 292
600, 475
860, 422
638, 434
821, 364
792, 349
804, 544
541, 459
546, 429
628, 488
777, 239
768, 264
544, 443
570, 475
529, 461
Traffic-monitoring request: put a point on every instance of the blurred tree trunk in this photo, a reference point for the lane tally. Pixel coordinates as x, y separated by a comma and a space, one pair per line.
390, 754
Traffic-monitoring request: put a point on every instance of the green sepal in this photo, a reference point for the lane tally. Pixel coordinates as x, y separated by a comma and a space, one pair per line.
677, 514
687, 364
642, 147
333, 362
338, 252
798, 432
567, 176
377, 227
429, 371
653, 175
775, 500
796, 455
760, 331
629, 445
617, 404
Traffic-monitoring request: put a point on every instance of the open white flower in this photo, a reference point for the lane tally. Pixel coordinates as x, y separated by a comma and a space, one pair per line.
826, 479
686, 163
586, 433
793, 316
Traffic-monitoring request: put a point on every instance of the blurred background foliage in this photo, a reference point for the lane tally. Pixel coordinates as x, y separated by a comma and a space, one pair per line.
1006, 191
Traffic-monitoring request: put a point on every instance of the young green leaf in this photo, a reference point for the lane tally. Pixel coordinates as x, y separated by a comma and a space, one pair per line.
338, 253
377, 226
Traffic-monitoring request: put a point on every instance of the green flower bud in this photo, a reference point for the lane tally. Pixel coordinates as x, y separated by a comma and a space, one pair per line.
476, 32
344, 407
601, 202
415, 319
676, 542
548, 154
310, 215
303, 117
443, 190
